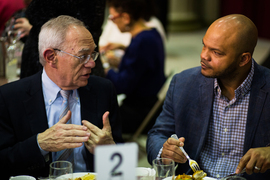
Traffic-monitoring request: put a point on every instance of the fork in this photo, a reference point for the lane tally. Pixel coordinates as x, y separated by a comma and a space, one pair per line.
193, 164
233, 174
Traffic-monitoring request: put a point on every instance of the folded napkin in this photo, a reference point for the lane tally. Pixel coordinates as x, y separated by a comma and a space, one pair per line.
145, 173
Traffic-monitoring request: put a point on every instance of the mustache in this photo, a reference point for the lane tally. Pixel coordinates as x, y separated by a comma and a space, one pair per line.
204, 62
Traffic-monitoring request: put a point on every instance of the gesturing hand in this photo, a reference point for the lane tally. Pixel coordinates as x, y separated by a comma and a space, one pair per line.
99, 136
63, 136
171, 150
255, 157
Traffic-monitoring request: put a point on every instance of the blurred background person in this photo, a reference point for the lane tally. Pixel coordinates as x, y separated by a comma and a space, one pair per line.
112, 35
40, 11
7, 9
141, 70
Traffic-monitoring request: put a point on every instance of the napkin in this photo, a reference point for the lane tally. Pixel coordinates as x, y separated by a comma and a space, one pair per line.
145, 173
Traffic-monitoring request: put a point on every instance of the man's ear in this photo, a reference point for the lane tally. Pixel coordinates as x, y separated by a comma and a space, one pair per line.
245, 58
50, 57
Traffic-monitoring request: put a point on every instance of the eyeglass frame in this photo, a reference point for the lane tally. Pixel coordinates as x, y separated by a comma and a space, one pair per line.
89, 56
112, 17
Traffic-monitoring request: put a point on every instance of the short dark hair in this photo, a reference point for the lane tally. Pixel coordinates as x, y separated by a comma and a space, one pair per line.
135, 8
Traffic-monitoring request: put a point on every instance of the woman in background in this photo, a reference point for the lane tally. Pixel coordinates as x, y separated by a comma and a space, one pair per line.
140, 73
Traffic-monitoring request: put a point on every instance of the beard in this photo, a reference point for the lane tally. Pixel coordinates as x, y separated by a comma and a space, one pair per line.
229, 73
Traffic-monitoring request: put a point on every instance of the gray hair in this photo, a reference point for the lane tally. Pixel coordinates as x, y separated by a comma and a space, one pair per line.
53, 34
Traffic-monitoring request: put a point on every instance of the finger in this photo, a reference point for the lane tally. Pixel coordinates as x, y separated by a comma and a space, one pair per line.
65, 119
177, 157
175, 142
171, 150
265, 167
90, 126
75, 139
251, 164
71, 145
106, 122
19, 20
182, 139
242, 164
90, 147
76, 132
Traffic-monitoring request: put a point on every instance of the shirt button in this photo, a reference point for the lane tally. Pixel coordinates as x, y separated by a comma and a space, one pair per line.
50, 101
225, 130
218, 176
223, 154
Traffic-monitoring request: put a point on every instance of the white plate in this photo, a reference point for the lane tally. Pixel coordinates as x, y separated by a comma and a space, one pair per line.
205, 178
80, 174
76, 175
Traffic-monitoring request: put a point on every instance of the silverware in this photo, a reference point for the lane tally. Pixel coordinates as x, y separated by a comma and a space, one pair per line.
192, 163
233, 174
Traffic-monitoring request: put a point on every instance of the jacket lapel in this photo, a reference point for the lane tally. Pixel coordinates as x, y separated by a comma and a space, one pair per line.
206, 90
88, 104
256, 103
34, 105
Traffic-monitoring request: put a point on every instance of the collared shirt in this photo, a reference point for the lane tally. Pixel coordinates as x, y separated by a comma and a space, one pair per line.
225, 140
53, 102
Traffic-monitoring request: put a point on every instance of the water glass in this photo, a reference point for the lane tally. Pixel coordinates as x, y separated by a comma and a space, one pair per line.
61, 170
164, 168
235, 178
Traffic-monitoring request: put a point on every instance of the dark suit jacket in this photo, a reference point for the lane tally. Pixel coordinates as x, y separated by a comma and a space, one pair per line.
23, 116
187, 110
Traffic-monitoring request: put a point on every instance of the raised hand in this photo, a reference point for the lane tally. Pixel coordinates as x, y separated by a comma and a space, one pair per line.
99, 136
63, 136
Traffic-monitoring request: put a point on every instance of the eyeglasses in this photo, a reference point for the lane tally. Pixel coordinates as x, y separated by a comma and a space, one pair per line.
84, 58
112, 17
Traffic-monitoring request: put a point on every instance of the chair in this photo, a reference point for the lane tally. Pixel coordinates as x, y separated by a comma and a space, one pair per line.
161, 97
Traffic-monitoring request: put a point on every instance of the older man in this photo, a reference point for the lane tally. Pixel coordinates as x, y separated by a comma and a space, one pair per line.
59, 111
220, 110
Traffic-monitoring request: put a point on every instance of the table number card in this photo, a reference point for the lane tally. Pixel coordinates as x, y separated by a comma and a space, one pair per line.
116, 162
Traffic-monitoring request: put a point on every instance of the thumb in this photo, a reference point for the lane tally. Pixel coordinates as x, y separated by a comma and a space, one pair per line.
106, 122
65, 119
182, 140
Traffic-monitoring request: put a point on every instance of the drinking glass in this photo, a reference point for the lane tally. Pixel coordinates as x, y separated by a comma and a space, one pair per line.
61, 170
164, 168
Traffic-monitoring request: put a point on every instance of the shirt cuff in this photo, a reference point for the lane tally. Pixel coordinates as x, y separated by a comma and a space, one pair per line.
159, 153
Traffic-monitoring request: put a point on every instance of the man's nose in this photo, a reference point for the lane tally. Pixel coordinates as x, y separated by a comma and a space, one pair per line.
205, 54
91, 63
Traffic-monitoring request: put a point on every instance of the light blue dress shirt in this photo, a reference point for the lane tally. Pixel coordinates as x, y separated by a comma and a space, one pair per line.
53, 101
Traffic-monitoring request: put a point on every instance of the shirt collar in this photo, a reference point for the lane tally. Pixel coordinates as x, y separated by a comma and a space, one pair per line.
242, 89
51, 90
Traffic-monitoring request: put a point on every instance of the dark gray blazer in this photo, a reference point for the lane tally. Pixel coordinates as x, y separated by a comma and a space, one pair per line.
187, 110
23, 116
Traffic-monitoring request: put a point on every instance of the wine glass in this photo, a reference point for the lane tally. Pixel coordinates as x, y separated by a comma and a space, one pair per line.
164, 168
61, 170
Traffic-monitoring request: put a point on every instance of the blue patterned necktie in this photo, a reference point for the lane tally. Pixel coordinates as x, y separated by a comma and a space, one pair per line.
66, 154
65, 106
